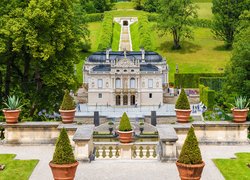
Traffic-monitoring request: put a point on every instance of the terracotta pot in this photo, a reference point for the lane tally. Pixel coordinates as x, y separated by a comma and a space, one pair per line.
67, 115
183, 115
11, 116
240, 115
190, 171
125, 136
63, 171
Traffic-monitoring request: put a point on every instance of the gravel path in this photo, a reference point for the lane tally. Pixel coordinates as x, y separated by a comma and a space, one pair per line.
131, 170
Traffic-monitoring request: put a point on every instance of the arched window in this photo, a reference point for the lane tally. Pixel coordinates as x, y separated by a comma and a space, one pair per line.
117, 83
118, 100
132, 83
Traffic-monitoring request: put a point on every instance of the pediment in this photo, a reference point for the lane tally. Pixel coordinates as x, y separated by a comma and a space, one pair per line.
125, 62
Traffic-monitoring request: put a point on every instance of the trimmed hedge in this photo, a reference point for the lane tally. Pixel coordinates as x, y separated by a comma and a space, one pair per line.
106, 32
68, 102
144, 33
190, 151
63, 153
94, 17
191, 80
214, 83
182, 101
125, 123
207, 96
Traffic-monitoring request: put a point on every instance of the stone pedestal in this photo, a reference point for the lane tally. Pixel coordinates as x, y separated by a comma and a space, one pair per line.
126, 150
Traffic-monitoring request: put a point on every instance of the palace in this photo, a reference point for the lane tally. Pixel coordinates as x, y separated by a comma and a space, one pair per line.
128, 78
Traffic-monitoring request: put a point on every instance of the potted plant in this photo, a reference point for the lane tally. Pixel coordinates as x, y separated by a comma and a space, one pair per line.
240, 109
141, 126
67, 109
182, 108
63, 165
125, 129
13, 109
190, 164
110, 123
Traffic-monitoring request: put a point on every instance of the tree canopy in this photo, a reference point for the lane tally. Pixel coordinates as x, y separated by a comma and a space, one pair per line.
238, 71
227, 18
175, 16
40, 42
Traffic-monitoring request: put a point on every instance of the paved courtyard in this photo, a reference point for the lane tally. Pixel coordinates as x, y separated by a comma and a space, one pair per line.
132, 111
124, 170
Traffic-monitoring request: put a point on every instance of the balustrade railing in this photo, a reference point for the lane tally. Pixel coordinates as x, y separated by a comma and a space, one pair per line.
139, 150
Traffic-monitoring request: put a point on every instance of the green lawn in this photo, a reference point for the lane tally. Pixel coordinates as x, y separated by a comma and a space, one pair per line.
124, 5
16, 169
116, 36
203, 54
235, 169
205, 11
95, 29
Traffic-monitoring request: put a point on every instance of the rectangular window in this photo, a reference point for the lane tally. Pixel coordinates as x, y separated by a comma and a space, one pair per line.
100, 95
150, 83
100, 83
150, 95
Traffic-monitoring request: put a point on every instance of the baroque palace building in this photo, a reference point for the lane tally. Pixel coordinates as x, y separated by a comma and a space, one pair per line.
125, 78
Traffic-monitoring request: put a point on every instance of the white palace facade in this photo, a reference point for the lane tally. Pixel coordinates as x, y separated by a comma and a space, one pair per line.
125, 78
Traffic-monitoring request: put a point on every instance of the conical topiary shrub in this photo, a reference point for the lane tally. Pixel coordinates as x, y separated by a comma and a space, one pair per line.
182, 108
190, 164
182, 101
190, 152
63, 165
125, 129
67, 109
68, 102
125, 123
63, 153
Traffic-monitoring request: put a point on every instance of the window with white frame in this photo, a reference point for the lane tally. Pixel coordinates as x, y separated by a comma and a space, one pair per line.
150, 83
100, 83
132, 83
117, 83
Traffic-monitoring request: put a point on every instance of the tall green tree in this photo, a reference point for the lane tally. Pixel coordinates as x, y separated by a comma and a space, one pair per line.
175, 16
226, 19
40, 41
238, 71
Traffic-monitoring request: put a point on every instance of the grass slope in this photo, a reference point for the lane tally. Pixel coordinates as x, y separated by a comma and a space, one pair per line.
135, 36
16, 169
205, 10
124, 5
235, 169
116, 36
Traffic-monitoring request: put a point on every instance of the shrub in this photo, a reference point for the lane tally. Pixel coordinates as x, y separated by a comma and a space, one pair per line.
63, 153
182, 101
125, 123
144, 33
207, 96
191, 80
94, 17
68, 102
190, 152
106, 33
214, 83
